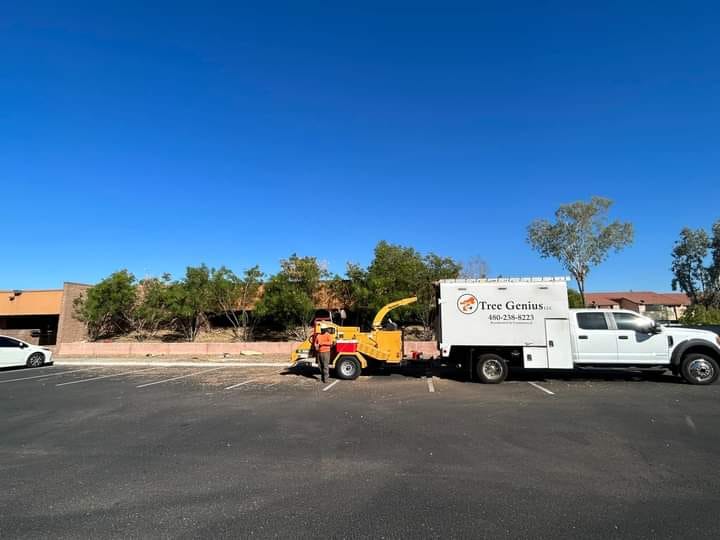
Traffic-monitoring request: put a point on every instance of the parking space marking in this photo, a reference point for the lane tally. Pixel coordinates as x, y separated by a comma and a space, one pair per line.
541, 388
104, 377
46, 375
431, 386
239, 384
329, 386
180, 377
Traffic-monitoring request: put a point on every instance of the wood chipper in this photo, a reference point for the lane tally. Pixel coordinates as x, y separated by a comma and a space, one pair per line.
354, 350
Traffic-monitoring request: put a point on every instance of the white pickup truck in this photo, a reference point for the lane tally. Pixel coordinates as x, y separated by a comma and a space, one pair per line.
491, 325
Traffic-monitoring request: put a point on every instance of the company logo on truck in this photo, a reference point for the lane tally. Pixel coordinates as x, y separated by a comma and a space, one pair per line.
467, 303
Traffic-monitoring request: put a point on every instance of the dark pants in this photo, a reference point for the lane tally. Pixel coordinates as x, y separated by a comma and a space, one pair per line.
324, 358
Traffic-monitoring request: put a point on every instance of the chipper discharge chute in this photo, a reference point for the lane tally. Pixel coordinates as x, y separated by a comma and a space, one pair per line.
353, 350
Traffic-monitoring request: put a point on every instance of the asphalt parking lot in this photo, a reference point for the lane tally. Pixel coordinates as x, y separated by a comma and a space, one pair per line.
180, 452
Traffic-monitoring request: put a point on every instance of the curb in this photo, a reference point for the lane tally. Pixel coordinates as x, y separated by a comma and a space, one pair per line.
168, 364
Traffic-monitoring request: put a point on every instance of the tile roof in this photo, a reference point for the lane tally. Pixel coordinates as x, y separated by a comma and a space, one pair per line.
641, 297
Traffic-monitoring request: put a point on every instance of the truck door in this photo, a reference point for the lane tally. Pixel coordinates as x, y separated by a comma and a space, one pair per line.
559, 351
636, 344
595, 342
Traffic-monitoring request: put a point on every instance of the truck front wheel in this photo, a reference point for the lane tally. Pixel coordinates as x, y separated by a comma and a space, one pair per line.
491, 369
699, 369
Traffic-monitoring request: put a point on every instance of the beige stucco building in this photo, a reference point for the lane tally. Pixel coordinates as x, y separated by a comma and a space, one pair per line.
42, 317
659, 306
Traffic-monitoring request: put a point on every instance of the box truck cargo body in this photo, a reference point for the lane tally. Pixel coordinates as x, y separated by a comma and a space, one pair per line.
526, 319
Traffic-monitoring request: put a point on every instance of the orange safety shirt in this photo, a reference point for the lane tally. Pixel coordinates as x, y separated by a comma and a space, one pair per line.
323, 342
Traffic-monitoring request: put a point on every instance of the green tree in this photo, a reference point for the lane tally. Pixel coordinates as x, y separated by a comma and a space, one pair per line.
340, 291
715, 260
189, 300
395, 272
231, 296
696, 265
399, 272
435, 268
580, 238
107, 308
288, 299
305, 273
151, 311
574, 299
250, 284
698, 314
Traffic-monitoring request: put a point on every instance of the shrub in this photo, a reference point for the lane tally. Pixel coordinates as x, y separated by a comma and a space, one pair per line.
697, 315
107, 309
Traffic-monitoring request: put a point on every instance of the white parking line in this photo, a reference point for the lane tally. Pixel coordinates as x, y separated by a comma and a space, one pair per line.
541, 388
329, 386
104, 377
431, 386
46, 376
180, 377
239, 384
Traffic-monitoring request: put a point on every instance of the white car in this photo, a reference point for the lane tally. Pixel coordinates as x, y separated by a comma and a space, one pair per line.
15, 352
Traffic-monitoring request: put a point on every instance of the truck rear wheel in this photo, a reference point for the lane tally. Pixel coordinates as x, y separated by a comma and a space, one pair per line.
699, 369
347, 368
491, 369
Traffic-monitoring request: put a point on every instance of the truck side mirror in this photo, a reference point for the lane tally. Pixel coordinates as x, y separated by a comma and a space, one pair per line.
656, 328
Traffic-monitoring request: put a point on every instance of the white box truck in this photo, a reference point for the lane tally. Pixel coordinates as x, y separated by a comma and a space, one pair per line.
491, 325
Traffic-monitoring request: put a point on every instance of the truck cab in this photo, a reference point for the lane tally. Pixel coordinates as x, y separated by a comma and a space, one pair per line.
611, 337
625, 338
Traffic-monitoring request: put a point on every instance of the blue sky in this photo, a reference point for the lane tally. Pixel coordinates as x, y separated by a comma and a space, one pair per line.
153, 137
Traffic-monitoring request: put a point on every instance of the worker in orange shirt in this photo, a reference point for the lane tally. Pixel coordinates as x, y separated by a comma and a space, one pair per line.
323, 346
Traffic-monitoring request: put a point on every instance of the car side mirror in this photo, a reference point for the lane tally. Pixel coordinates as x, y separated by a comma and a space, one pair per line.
656, 328
23, 345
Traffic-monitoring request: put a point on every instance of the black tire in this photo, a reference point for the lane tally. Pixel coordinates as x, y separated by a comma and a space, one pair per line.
36, 359
491, 369
347, 368
699, 369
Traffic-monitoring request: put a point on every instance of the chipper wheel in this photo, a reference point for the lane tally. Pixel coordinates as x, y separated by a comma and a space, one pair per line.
347, 367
